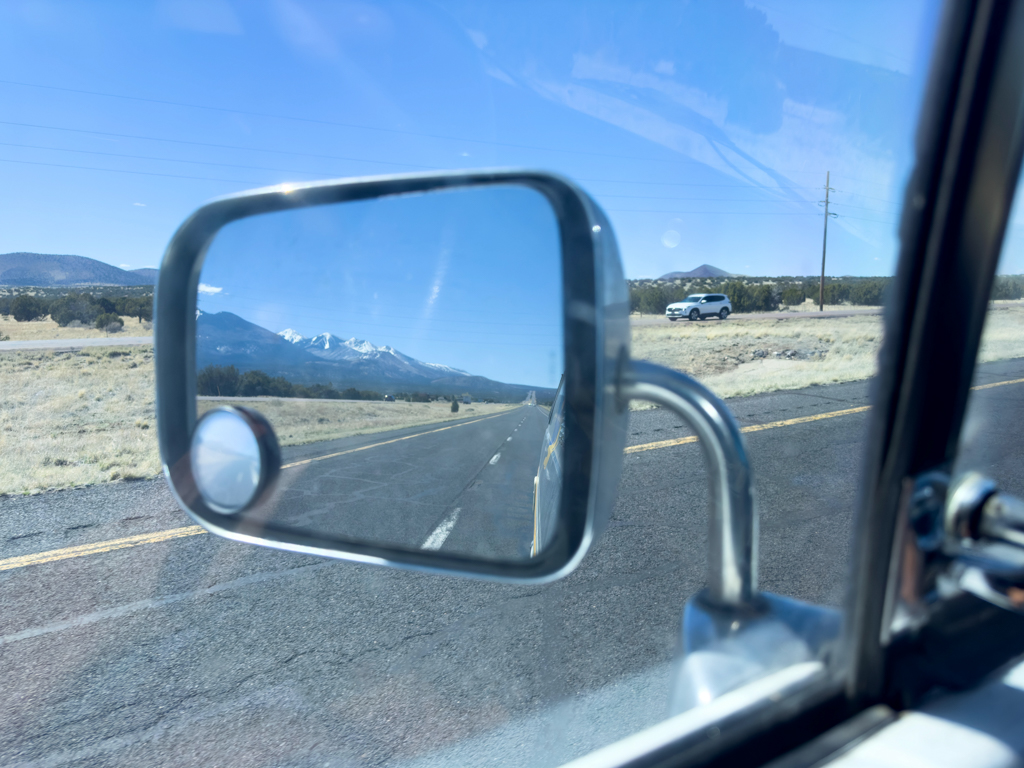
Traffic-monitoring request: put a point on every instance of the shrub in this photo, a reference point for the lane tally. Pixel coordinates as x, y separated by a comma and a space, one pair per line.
793, 295
80, 307
218, 381
26, 308
1008, 287
109, 322
455, 405
140, 307
259, 384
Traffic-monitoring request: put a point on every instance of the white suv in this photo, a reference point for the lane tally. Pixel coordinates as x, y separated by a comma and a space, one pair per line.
700, 305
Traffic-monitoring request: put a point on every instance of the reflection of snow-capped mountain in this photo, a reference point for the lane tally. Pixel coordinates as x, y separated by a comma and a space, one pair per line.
388, 359
224, 338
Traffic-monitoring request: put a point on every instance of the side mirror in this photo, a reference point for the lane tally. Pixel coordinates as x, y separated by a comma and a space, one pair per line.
412, 370
490, 445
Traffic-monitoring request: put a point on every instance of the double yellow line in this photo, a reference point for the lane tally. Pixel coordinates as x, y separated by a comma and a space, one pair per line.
99, 547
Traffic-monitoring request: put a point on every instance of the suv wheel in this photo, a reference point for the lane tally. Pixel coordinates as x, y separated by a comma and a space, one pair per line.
695, 314
724, 313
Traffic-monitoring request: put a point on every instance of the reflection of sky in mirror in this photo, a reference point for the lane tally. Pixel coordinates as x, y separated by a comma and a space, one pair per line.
466, 278
716, 120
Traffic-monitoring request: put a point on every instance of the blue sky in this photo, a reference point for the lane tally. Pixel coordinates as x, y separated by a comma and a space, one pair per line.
466, 278
705, 129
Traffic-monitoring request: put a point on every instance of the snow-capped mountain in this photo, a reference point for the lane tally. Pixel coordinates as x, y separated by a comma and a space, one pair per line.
330, 347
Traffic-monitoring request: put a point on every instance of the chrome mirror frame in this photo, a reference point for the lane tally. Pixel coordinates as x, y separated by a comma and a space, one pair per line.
596, 338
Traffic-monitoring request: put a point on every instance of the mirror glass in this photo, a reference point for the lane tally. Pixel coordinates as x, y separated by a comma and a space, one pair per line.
408, 352
225, 460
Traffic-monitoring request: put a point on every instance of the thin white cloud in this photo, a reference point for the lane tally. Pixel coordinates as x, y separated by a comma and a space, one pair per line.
439, 275
479, 38
141, 205
209, 290
125, 266
211, 17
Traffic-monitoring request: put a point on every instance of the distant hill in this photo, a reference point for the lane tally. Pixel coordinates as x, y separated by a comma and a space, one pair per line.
704, 270
48, 270
149, 273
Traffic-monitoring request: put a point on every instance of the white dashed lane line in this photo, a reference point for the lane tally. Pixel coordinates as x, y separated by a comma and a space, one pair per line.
494, 458
441, 533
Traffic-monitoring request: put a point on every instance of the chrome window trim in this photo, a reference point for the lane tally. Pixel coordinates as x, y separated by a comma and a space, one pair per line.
596, 338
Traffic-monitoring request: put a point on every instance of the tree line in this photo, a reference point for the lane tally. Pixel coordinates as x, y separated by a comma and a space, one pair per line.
650, 297
100, 311
228, 381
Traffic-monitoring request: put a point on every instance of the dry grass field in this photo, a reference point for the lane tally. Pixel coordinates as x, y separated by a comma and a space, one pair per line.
791, 353
77, 418
48, 329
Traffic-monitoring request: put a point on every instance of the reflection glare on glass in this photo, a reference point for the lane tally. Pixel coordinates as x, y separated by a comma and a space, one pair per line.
225, 461
407, 351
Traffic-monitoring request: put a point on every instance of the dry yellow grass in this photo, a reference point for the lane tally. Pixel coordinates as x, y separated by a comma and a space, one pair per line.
78, 418
754, 356
37, 330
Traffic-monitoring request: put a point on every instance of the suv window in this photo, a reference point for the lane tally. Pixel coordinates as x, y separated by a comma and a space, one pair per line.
131, 635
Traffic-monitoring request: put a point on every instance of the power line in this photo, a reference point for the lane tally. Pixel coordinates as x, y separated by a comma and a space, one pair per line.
242, 148
334, 123
399, 131
161, 159
213, 145
134, 173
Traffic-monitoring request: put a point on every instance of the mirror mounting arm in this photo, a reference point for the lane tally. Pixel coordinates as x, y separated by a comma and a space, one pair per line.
732, 559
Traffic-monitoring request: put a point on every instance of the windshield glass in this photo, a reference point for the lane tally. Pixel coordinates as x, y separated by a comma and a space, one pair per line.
708, 131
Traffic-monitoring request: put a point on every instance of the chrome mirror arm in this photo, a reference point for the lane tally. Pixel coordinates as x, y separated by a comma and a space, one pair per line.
731, 633
733, 534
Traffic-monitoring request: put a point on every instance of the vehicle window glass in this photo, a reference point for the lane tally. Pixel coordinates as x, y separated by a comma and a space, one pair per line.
989, 442
708, 132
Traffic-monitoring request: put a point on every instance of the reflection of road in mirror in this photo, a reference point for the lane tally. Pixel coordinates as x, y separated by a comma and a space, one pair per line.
463, 487
403, 343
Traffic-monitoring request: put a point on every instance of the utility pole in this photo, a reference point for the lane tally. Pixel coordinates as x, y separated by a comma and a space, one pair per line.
824, 244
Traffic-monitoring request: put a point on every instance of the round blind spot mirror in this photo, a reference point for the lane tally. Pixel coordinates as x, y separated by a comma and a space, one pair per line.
228, 464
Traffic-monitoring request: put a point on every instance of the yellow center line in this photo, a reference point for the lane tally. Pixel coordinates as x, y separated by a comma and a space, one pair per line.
751, 428
192, 530
787, 422
99, 546
999, 384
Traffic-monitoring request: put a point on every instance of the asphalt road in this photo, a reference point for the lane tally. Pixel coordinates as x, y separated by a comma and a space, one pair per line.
428, 487
199, 651
63, 345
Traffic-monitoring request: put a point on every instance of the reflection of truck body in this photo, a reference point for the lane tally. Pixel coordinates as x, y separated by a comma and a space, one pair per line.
547, 485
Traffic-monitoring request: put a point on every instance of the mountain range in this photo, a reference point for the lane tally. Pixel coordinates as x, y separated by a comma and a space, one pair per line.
44, 270
704, 270
224, 338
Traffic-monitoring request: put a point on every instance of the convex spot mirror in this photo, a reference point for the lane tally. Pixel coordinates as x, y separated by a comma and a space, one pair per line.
436, 357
